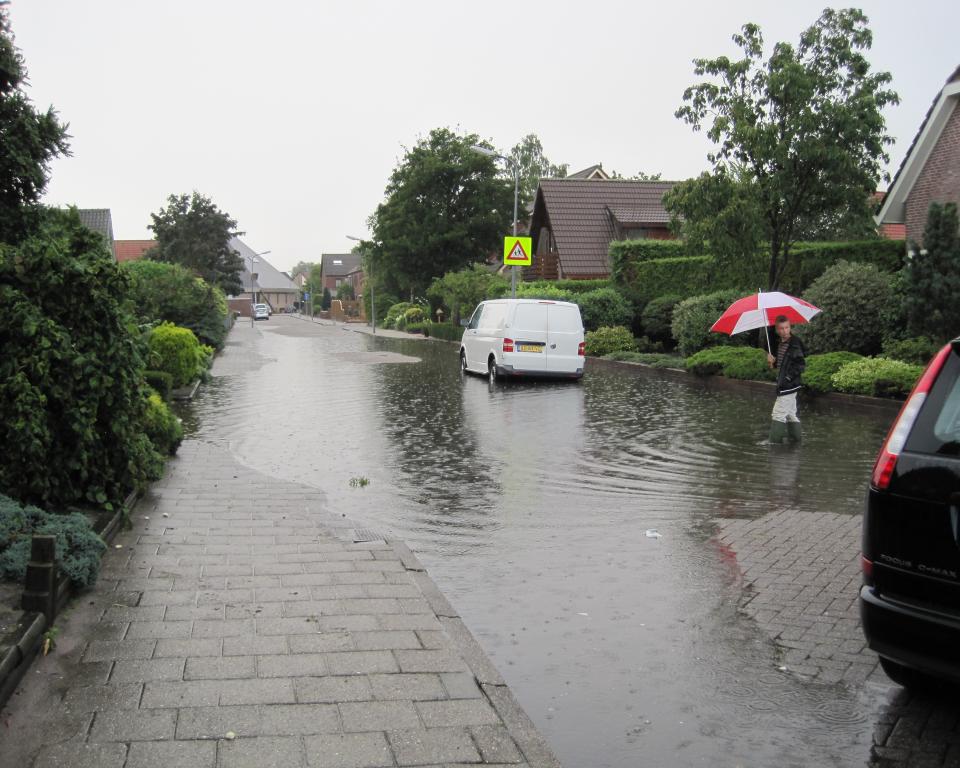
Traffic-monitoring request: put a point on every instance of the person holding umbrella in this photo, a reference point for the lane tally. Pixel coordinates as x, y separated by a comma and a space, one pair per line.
759, 310
790, 362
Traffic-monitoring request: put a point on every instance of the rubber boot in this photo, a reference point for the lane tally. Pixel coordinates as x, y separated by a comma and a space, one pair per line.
778, 432
794, 432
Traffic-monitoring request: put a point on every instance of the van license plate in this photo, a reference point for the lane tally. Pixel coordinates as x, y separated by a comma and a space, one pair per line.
529, 348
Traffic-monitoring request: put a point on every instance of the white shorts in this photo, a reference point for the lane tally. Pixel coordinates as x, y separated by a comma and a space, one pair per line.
785, 408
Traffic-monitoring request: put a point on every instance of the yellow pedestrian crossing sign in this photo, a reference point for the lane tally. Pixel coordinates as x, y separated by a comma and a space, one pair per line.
516, 251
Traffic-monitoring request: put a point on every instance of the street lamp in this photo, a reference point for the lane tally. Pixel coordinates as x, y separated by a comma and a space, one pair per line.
253, 284
515, 167
373, 305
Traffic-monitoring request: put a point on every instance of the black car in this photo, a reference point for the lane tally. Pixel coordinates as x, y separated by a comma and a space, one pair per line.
910, 599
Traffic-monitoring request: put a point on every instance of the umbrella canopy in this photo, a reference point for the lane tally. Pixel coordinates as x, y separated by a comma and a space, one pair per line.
762, 309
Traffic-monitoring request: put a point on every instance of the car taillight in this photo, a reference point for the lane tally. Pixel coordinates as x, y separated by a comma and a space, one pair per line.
887, 460
508, 345
581, 347
866, 566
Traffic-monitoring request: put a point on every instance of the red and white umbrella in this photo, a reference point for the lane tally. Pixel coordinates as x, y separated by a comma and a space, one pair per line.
762, 309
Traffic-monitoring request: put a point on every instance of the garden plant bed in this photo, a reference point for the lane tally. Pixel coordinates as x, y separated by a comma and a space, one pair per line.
21, 632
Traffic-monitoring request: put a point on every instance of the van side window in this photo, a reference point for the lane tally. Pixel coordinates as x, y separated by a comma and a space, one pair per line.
475, 319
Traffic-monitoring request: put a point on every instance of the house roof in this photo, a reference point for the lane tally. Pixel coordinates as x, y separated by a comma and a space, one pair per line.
584, 216
339, 264
893, 210
269, 278
593, 172
99, 220
131, 250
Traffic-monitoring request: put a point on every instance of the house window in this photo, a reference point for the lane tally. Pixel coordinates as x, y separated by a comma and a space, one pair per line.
339, 281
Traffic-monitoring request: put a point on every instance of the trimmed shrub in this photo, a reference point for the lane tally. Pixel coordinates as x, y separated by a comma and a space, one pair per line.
917, 351
571, 286
72, 393
818, 376
345, 292
732, 362
446, 331
395, 311
693, 317
421, 326
161, 381
414, 314
162, 426
636, 251
654, 360
170, 293
78, 547
856, 300
604, 308
657, 318
878, 377
687, 276
175, 351
603, 341
544, 290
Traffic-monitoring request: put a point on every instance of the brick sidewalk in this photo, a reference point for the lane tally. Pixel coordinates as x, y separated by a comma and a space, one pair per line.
236, 626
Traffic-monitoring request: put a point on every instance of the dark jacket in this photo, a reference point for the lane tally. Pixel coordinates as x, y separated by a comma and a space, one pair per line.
794, 362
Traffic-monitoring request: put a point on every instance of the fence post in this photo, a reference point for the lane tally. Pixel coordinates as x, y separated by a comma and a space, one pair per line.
40, 592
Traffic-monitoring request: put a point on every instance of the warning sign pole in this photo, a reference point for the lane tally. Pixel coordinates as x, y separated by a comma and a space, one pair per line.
516, 197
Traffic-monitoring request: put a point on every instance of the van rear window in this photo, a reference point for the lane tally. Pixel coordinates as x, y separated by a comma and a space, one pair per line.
937, 429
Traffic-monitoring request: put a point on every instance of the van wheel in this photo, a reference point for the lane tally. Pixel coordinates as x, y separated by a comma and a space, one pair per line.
463, 362
492, 370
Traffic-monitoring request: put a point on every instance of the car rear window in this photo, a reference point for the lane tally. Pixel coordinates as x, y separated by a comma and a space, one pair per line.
937, 429
565, 319
531, 317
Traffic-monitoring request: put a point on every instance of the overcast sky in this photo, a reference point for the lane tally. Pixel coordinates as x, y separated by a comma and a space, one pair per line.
291, 115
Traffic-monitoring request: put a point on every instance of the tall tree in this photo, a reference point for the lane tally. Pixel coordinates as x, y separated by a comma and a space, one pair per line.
528, 156
804, 129
301, 268
29, 141
193, 232
931, 278
446, 207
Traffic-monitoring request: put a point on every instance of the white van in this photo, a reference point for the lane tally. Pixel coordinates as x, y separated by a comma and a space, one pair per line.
524, 337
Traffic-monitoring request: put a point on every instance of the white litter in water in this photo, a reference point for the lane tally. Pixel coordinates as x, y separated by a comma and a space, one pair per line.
653, 533
583, 614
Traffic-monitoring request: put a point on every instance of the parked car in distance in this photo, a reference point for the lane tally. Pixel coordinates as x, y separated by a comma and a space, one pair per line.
524, 337
910, 598
261, 312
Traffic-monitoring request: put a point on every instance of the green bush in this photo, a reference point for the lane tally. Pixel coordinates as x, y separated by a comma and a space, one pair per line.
857, 302
446, 331
345, 292
72, 393
732, 362
918, 350
544, 290
162, 426
657, 318
818, 376
604, 308
571, 287
414, 314
693, 317
78, 548
603, 341
646, 345
170, 293
395, 311
421, 326
177, 352
161, 381
878, 377
686, 276
655, 360
635, 251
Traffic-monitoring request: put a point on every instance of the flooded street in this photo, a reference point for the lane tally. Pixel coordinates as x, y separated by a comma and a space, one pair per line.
531, 503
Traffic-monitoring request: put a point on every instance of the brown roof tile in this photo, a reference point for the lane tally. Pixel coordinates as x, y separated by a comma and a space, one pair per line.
131, 250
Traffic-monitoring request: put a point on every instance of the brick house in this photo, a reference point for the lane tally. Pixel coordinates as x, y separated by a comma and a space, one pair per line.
339, 268
574, 221
930, 172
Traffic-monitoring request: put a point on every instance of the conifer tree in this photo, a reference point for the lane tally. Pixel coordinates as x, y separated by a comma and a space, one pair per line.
932, 276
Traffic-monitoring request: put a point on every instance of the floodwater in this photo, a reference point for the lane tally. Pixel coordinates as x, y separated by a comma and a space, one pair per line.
529, 504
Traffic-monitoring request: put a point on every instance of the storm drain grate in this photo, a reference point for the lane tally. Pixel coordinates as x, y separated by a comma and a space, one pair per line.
366, 534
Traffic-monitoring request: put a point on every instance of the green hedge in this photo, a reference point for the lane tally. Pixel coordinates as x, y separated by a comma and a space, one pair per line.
446, 331
625, 251
918, 350
732, 362
657, 318
681, 276
818, 376
877, 376
569, 286
161, 381
78, 547
175, 351
162, 426
603, 341
693, 317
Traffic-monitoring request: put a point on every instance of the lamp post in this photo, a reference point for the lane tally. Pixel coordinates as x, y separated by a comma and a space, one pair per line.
373, 305
515, 167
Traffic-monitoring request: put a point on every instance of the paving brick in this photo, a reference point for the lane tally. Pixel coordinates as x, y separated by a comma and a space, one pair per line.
351, 750
292, 665
299, 719
410, 621
189, 647
79, 755
142, 670
220, 668
440, 714
254, 646
111, 650
263, 691
216, 722
461, 685
360, 662
332, 689
495, 744
407, 687
378, 716
135, 725
429, 661
435, 745
192, 612
385, 640
232, 628
157, 629
172, 754
326, 641
99, 698
262, 752
191, 693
